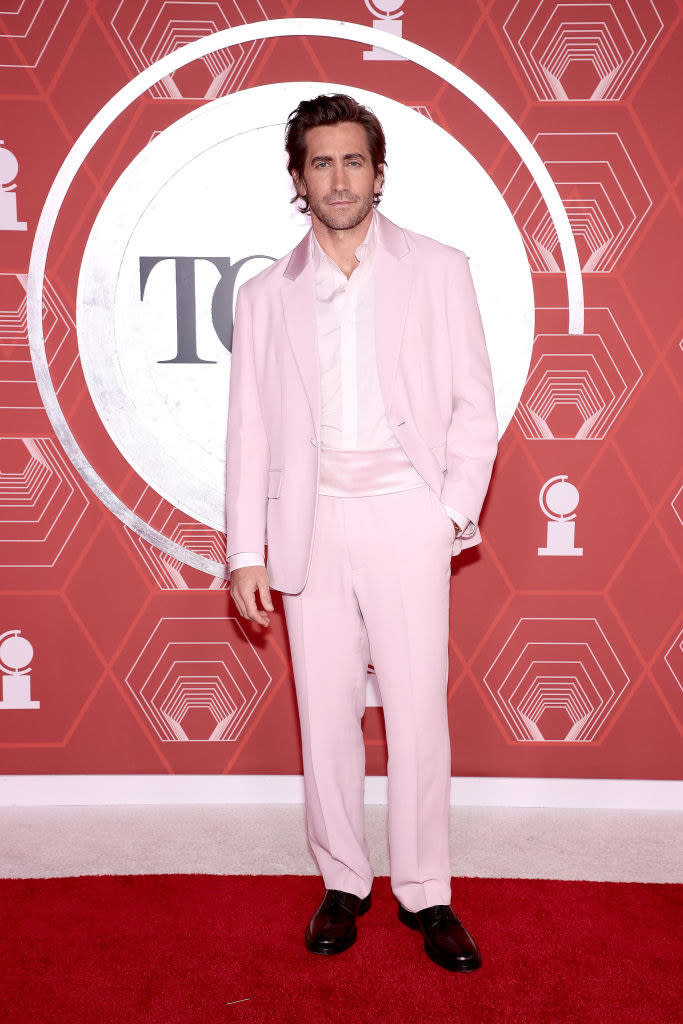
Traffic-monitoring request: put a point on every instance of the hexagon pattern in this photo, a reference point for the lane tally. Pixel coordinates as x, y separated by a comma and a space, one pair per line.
580, 657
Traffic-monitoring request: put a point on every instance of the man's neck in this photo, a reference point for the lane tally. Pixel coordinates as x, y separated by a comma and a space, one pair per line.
341, 246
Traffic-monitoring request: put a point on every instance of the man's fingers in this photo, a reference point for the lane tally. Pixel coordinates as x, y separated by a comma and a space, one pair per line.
237, 598
243, 589
253, 612
264, 593
250, 605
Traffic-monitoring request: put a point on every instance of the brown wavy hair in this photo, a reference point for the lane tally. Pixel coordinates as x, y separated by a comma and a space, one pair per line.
331, 108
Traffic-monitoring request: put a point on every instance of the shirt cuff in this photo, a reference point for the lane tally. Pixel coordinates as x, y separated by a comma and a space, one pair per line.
467, 527
244, 558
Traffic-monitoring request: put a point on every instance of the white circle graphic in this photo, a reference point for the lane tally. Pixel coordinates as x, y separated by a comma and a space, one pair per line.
213, 185
168, 65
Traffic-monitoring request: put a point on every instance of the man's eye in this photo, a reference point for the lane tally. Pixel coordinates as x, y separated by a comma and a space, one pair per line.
322, 163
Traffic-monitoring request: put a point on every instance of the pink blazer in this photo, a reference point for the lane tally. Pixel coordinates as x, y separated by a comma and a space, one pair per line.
434, 373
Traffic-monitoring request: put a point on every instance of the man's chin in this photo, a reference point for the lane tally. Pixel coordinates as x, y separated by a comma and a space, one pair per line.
341, 217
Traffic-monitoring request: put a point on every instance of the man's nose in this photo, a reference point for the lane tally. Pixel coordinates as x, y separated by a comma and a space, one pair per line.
341, 179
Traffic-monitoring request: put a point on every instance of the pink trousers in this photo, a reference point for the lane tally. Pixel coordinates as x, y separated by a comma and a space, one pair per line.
377, 590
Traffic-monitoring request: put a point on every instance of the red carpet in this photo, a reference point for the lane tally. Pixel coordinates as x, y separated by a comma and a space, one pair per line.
162, 949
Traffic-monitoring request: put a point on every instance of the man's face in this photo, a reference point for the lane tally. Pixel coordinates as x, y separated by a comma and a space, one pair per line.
338, 167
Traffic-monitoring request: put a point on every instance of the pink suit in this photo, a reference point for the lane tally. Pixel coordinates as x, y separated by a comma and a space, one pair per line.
366, 577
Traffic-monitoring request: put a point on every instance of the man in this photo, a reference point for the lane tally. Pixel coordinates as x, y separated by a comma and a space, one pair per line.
361, 439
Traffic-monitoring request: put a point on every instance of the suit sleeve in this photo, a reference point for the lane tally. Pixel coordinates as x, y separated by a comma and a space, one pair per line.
472, 437
248, 451
465, 526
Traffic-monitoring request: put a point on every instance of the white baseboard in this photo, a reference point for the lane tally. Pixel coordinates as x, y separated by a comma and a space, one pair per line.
45, 790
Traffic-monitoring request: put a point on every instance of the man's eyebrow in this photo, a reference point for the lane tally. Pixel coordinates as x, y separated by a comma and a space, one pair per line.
347, 156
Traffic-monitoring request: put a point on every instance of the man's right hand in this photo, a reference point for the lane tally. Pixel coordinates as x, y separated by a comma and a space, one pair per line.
244, 583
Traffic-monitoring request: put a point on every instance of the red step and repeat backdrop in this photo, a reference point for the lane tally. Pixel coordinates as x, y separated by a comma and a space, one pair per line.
550, 155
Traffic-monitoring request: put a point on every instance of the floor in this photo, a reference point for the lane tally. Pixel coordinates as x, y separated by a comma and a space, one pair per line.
494, 842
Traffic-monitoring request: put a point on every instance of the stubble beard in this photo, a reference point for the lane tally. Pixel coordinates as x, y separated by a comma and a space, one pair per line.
341, 218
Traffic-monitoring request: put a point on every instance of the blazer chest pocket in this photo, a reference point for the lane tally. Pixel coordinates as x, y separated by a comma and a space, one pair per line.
274, 483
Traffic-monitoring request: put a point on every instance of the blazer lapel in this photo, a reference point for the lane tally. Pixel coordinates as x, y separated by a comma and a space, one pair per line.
393, 279
394, 275
301, 327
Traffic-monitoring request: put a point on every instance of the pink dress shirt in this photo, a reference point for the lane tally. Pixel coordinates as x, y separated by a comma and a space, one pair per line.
352, 407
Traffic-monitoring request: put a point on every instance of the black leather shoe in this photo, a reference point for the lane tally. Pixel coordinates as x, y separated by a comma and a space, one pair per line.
447, 942
332, 928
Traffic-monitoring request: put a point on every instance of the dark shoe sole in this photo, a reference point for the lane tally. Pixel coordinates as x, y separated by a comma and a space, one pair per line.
328, 948
462, 966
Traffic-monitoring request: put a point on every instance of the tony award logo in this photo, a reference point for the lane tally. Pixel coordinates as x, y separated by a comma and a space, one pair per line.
389, 20
16, 655
8, 198
558, 499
